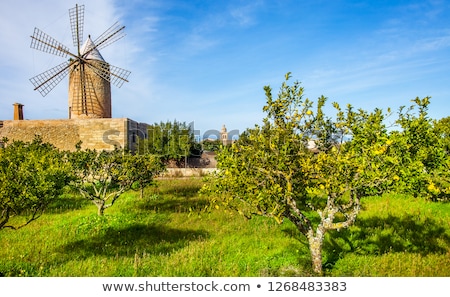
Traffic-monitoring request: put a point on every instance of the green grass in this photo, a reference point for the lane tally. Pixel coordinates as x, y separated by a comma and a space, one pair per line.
164, 234
395, 235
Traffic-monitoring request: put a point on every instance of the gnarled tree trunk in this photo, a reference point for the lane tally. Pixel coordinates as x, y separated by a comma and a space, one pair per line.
315, 247
327, 222
100, 207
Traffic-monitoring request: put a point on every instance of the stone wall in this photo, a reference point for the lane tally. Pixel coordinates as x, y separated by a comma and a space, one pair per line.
187, 172
100, 134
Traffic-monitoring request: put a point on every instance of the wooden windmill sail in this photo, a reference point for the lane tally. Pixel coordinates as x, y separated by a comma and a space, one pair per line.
90, 76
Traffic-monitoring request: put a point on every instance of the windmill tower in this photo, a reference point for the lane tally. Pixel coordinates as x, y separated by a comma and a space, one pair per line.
90, 76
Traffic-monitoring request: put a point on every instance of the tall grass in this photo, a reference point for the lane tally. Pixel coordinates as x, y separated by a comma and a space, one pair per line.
166, 234
395, 235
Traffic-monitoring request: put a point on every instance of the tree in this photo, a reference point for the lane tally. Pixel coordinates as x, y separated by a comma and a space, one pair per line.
271, 171
32, 175
146, 167
171, 141
442, 128
212, 145
420, 147
103, 176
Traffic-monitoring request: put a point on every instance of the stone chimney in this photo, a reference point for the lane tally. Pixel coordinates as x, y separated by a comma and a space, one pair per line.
18, 111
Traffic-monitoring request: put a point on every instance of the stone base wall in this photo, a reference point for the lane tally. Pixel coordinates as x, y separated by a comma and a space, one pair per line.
187, 172
100, 134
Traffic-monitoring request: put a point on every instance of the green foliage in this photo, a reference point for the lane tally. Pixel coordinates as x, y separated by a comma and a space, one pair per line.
395, 235
148, 237
103, 176
442, 128
170, 141
418, 150
32, 175
159, 236
212, 145
272, 172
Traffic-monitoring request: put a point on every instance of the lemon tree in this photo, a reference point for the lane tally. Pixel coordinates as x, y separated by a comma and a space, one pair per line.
32, 175
420, 149
102, 176
303, 166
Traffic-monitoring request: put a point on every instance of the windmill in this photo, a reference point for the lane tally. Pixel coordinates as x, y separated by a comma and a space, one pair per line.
90, 77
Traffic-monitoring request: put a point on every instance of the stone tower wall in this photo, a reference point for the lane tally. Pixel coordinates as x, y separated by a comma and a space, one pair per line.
98, 92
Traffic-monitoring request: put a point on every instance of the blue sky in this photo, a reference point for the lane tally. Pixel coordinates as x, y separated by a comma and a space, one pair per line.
207, 61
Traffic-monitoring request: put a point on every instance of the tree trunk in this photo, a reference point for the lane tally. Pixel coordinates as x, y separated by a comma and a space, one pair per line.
4, 217
315, 247
142, 192
100, 207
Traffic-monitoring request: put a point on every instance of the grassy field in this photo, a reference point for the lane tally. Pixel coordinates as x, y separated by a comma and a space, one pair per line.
163, 234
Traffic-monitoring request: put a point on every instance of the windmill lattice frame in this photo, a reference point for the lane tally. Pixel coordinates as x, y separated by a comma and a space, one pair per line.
85, 71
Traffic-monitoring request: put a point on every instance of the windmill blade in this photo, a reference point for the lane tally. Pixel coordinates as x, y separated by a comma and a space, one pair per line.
49, 79
76, 16
112, 34
46, 43
115, 75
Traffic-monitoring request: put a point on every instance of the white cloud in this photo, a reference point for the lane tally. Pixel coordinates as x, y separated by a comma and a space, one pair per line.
244, 15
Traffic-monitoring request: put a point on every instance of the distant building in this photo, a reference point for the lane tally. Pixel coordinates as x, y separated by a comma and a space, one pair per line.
312, 146
224, 136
